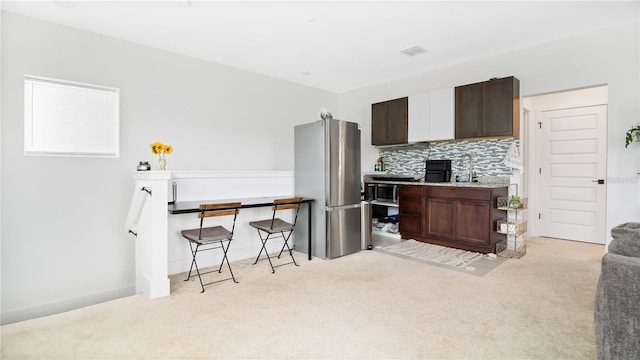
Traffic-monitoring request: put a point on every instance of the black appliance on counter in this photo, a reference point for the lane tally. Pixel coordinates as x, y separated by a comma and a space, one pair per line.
437, 171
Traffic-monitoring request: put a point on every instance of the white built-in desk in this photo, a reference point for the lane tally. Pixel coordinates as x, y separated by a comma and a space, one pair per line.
156, 220
188, 207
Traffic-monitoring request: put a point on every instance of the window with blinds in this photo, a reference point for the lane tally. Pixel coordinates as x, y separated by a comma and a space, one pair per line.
70, 119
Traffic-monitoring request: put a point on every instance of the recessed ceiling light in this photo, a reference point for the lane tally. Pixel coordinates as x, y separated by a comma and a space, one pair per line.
414, 50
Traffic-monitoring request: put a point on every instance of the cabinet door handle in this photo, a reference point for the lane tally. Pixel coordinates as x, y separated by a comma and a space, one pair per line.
599, 181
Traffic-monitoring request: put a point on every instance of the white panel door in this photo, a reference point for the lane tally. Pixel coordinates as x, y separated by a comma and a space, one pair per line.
572, 161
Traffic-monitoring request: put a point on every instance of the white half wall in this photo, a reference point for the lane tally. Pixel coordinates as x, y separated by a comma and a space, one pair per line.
228, 185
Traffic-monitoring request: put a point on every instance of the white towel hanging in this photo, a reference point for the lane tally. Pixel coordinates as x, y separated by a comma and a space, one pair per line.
512, 159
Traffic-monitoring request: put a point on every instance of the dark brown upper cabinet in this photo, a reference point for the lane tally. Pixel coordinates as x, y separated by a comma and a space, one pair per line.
488, 109
389, 122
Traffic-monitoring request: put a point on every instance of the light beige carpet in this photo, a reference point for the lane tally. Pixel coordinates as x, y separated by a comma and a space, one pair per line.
361, 306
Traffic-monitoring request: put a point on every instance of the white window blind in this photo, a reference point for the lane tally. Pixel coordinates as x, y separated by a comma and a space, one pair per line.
68, 118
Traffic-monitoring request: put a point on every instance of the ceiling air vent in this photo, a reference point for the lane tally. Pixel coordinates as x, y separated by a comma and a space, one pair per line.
414, 50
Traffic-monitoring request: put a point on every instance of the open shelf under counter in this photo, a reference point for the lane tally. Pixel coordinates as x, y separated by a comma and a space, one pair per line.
382, 203
383, 238
385, 233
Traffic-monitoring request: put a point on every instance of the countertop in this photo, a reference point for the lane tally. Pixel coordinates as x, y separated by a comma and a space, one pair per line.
489, 185
490, 182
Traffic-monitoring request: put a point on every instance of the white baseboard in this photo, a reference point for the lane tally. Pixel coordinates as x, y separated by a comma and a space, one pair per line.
8, 317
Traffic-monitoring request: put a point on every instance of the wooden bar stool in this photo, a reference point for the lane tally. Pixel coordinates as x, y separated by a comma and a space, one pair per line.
210, 238
276, 227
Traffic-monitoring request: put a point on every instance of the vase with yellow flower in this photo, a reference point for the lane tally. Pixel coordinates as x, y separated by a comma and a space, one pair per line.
160, 149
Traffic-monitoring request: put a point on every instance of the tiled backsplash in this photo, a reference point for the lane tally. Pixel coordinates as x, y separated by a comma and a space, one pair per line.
488, 156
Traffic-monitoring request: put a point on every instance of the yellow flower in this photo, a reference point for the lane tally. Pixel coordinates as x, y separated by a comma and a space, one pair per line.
158, 147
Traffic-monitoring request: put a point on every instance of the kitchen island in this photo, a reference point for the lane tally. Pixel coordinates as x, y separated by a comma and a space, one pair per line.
453, 214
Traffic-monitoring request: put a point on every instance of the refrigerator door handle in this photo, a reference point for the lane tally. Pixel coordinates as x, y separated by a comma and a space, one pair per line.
333, 208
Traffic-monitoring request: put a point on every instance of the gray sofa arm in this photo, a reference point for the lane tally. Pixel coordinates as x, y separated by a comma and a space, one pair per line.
617, 308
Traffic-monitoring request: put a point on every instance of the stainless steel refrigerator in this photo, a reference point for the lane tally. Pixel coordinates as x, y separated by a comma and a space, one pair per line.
327, 169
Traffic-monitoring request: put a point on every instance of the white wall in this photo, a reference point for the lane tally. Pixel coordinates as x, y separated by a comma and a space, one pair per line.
63, 243
610, 56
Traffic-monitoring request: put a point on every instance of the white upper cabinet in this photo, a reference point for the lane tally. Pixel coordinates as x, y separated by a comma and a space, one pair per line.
418, 125
442, 114
432, 116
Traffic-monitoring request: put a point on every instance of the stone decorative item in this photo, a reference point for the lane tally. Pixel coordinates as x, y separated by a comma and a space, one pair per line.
325, 115
143, 166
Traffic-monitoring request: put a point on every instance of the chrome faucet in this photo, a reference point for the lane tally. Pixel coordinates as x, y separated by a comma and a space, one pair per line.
471, 175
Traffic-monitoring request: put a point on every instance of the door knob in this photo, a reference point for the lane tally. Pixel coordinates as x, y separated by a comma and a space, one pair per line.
599, 181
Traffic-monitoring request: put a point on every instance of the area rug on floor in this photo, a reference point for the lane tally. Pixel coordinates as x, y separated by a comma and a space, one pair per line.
465, 261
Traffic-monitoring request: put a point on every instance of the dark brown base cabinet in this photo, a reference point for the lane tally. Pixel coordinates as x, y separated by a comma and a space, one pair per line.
410, 209
459, 217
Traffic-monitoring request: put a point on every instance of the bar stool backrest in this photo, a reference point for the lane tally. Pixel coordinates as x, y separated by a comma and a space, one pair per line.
211, 210
286, 204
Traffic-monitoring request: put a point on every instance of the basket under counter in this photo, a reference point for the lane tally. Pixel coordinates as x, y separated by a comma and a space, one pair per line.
511, 227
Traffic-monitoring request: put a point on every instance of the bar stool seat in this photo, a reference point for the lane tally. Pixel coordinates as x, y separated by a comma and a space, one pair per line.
275, 226
207, 235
